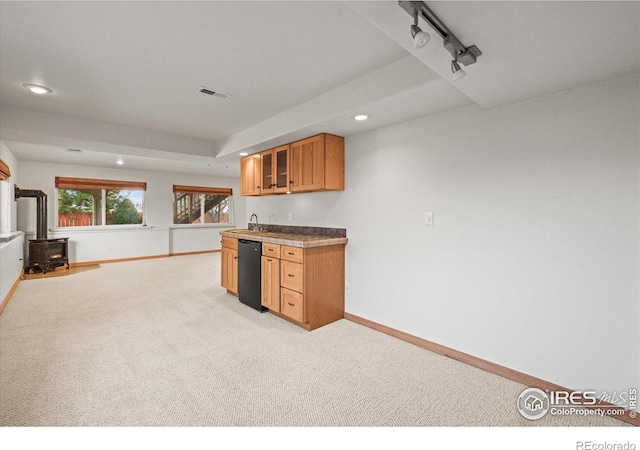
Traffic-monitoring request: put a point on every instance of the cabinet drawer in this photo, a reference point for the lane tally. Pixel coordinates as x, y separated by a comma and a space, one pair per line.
291, 276
291, 253
292, 304
271, 250
231, 243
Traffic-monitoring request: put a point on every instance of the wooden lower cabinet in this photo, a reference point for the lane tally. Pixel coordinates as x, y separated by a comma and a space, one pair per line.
302, 285
271, 283
229, 265
310, 287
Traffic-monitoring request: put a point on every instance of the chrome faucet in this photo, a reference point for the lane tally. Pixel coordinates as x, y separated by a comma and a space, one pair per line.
251, 218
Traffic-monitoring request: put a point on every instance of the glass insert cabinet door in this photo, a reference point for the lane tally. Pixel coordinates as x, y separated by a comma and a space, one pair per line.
275, 170
267, 172
282, 169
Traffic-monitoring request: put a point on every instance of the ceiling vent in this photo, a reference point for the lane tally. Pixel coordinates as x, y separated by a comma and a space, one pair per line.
204, 90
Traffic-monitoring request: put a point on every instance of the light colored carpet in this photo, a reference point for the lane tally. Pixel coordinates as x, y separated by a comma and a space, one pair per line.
159, 342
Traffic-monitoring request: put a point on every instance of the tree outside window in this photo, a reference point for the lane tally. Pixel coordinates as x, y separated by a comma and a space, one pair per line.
86, 202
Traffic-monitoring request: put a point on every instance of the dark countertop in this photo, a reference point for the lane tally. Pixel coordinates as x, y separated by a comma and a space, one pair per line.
291, 239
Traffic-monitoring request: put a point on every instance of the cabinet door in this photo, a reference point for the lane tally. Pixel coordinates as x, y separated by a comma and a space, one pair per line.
229, 270
267, 184
233, 279
250, 174
271, 283
307, 164
281, 169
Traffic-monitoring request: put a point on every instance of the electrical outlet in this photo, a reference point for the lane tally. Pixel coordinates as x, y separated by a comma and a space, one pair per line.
290, 217
428, 218
347, 288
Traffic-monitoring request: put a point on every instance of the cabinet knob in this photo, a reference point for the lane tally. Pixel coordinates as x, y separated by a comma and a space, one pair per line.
291, 304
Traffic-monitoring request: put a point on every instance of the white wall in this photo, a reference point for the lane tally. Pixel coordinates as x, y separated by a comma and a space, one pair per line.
160, 237
533, 258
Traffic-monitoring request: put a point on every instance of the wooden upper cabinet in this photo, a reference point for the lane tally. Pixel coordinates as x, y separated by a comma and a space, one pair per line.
312, 164
275, 170
281, 169
250, 175
307, 164
317, 164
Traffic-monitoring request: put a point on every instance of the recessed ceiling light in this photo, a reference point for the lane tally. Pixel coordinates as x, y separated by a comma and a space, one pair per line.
37, 89
120, 161
244, 154
361, 117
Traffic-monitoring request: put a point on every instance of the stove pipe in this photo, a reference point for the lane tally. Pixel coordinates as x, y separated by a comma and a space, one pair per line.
41, 217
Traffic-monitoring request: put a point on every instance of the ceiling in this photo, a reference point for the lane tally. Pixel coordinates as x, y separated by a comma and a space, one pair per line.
126, 75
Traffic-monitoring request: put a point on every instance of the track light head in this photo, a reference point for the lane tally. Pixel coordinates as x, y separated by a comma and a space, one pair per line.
457, 71
420, 38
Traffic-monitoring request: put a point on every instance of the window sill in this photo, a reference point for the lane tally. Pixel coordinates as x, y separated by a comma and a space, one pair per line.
187, 226
10, 236
97, 229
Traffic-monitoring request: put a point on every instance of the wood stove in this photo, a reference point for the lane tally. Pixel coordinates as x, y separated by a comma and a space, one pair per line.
47, 254
44, 254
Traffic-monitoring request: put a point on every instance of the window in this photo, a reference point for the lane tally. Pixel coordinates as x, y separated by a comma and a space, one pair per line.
197, 204
85, 202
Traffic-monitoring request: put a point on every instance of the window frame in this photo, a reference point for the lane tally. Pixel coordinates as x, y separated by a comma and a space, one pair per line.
202, 191
104, 186
5, 172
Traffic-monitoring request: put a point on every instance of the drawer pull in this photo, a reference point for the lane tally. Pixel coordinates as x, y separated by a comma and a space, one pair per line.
291, 253
291, 275
291, 304
270, 260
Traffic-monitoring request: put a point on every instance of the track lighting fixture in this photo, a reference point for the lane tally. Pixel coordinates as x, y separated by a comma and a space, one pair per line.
456, 70
420, 38
461, 54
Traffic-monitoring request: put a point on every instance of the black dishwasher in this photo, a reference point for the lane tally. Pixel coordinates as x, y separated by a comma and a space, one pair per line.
250, 273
